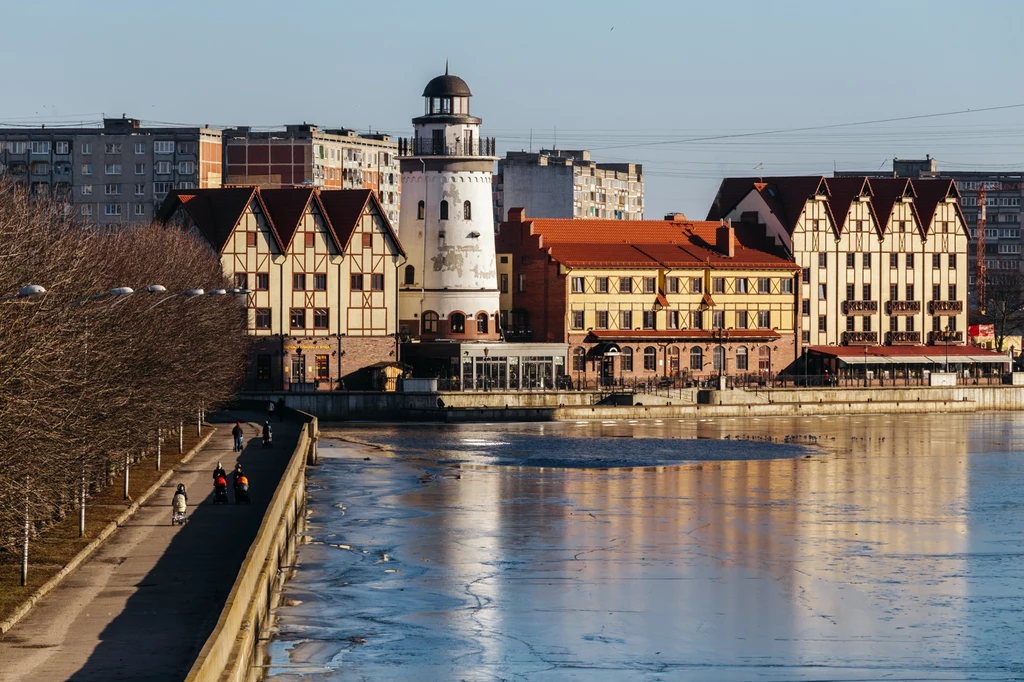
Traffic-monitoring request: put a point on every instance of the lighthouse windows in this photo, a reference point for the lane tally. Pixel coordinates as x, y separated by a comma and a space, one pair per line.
420, 210
444, 210
410, 274
467, 211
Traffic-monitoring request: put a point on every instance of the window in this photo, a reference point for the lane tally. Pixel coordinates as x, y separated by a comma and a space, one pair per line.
467, 211
186, 167
481, 320
112, 148
377, 282
625, 285
696, 285
867, 260
910, 323
696, 319
894, 259
601, 284
649, 319
822, 260
297, 318
866, 290
894, 323
696, 359
112, 168
936, 261
625, 319
86, 148
161, 187
86, 209
850, 295
741, 285
112, 209
822, 292
140, 189
410, 278
430, 320
140, 209
672, 319
457, 323
323, 373
936, 292
764, 319
262, 281
321, 318
718, 319
601, 319
163, 147
320, 281
263, 318
894, 292
299, 281
741, 359
952, 261
579, 361
522, 283
910, 261
367, 240
672, 285
86, 190
357, 282
444, 209
503, 283
866, 323
910, 292
649, 285
805, 307
741, 319
718, 359
718, 285
650, 358
187, 148
823, 322
936, 324
764, 285
952, 292
40, 147
112, 190
576, 319
250, 239
850, 258
140, 147
86, 169
805, 275
577, 285
626, 359
903, 225
63, 147
850, 323
162, 167
786, 285
420, 211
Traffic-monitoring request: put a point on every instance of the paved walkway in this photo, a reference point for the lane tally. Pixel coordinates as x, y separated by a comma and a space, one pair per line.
142, 607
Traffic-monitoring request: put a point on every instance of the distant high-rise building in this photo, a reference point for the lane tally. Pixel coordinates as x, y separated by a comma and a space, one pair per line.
560, 183
114, 174
305, 155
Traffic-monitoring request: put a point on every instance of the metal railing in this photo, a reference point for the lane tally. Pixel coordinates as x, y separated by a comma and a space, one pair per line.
422, 146
938, 307
902, 307
892, 338
860, 307
941, 337
858, 338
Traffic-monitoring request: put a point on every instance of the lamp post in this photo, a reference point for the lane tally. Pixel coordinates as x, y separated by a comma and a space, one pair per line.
865, 365
945, 338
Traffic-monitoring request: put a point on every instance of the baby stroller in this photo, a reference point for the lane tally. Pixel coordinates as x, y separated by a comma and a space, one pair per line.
220, 491
179, 505
242, 491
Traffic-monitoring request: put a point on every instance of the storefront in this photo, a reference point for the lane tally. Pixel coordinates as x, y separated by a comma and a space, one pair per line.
489, 366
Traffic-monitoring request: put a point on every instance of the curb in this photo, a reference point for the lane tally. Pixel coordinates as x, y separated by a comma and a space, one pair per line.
107, 531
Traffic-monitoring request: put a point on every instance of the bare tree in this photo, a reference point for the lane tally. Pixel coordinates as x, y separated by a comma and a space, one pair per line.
1004, 304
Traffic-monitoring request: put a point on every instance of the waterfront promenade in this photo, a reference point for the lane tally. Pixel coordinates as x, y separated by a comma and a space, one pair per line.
143, 605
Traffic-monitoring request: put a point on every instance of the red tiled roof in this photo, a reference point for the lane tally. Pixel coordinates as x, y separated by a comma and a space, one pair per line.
662, 301
287, 207
684, 334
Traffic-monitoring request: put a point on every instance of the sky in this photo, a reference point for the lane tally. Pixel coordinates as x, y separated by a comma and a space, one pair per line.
646, 82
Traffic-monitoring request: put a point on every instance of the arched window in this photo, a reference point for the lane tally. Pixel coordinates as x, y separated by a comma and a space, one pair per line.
430, 322
741, 359
481, 323
719, 359
420, 210
626, 359
467, 211
410, 274
578, 361
696, 359
457, 323
650, 358
444, 210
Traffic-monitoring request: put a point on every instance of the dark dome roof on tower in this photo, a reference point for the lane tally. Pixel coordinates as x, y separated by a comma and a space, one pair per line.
447, 86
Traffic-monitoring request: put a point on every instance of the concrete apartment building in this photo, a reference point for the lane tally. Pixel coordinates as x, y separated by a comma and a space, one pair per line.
559, 183
305, 155
119, 173
321, 267
883, 261
672, 298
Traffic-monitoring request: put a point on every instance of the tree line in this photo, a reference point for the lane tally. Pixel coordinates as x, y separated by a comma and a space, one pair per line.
87, 378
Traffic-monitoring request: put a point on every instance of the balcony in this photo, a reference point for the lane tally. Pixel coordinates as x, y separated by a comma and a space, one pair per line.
937, 338
860, 338
902, 338
902, 307
945, 307
860, 307
422, 146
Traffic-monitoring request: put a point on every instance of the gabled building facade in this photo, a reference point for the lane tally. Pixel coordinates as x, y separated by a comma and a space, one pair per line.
321, 268
647, 299
882, 261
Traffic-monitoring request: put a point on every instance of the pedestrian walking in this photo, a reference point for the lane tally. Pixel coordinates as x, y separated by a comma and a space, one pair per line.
270, 410
280, 409
237, 433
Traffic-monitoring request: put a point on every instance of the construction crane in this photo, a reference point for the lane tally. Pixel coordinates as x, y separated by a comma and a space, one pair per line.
979, 252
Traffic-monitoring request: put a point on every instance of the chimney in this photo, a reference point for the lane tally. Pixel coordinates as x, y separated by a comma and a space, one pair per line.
725, 239
675, 217
517, 215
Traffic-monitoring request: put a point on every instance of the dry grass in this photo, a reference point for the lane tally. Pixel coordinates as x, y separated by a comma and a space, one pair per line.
52, 549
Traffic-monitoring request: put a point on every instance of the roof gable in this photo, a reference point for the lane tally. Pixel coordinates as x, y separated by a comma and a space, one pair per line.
345, 207
887, 191
786, 196
287, 207
215, 212
932, 192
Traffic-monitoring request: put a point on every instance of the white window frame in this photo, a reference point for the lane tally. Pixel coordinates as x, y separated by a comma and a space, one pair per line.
112, 209
112, 169
40, 147
87, 148
140, 169
112, 190
140, 189
161, 187
186, 167
112, 148
86, 190
163, 168
163, 147
86, 209
62, 147
140, 147
140, 209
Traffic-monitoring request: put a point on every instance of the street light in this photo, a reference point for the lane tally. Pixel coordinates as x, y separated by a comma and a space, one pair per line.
28, 291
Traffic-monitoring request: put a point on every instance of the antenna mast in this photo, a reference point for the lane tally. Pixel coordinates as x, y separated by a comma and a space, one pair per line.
979, 252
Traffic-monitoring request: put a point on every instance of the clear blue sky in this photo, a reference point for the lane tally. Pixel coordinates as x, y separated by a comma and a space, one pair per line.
610, 76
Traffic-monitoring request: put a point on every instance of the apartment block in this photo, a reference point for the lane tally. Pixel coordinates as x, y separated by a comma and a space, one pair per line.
675, 298
321, 267
559, 183
305, 155
883, 261
119, 173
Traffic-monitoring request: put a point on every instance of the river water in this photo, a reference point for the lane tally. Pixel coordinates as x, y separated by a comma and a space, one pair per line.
865, 548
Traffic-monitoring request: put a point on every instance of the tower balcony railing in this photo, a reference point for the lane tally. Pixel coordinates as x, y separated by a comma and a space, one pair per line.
859, 338
941, 307
943, 337
859, 307
902, 338
422, 146
902, 307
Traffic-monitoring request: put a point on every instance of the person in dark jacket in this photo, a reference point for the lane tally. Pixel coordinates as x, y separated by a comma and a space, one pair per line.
280, 409
267, 434
237, 433
237, 474
219, 472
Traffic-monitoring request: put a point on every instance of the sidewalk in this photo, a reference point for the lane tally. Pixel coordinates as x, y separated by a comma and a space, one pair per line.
143, 605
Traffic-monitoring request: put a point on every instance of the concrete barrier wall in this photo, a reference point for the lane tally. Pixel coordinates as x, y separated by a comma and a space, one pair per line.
233, 652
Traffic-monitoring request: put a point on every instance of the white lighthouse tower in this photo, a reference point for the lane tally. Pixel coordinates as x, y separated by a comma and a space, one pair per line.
449, 287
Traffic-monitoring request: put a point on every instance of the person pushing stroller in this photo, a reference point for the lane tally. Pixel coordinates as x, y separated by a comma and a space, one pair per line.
220, 485
268, 435
241, 485
179, 506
